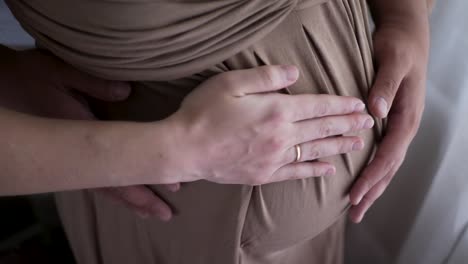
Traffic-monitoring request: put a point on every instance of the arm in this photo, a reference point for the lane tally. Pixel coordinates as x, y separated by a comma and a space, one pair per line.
41, 85
43, 155
240, 134
400, 10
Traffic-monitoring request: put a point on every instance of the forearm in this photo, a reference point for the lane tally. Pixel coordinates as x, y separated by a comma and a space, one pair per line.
45, 155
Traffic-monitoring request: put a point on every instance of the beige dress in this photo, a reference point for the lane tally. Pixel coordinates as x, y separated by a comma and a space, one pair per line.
290, 222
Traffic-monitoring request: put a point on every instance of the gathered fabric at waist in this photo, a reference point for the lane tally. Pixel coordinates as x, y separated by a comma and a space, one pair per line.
150, 40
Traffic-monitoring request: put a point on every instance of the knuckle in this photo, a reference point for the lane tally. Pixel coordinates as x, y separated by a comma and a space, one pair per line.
226, 80
395, 54
276, 114
357, 122
315, 152
325, 128
352, 102
389, 86
276, 143
367, 201
322, 108
366, 184
267, 76
345, 145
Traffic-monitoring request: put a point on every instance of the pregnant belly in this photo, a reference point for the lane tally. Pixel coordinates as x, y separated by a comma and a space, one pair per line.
281, 215
331, 47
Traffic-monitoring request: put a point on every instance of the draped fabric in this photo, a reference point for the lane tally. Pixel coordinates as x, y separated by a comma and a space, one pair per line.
171, 39
168, 48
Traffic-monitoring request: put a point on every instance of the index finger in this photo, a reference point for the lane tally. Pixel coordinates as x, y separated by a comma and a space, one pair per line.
261, 79
308, 106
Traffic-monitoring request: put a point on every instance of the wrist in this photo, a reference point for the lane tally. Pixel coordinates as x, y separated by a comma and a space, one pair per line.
181, 150
148, 153
400, 12
410, 18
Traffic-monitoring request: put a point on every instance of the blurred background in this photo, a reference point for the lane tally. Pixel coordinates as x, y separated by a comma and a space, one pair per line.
422, 218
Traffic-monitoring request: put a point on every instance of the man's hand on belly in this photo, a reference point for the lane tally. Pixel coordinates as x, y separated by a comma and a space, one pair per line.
42, 85
401, 43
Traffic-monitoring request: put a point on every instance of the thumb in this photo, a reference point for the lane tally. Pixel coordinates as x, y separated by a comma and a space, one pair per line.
261, 79
387, 82
98, 88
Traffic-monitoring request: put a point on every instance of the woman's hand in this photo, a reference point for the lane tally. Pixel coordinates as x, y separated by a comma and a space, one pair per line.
401, 43
233, 128
39, 84
236, 129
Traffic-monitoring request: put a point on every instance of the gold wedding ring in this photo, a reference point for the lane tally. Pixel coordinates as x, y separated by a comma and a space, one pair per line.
298, 153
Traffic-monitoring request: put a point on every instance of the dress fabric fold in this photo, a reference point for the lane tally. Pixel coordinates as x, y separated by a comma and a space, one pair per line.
166, 48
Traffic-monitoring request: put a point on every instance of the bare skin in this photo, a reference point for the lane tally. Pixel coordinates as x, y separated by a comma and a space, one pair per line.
259, 128
62, 95
401, 43
400, 83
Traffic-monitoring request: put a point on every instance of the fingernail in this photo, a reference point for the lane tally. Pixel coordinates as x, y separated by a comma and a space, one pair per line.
359, 107
358, 145
382, 106
291, 72
369, 123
